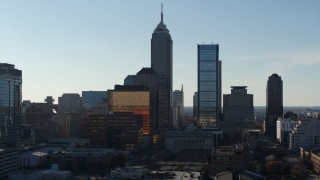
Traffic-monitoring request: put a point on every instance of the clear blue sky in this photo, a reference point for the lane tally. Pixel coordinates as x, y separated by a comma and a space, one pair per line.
67, 46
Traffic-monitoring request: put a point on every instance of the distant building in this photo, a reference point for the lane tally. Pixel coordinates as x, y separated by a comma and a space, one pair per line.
117, 130
178, 108
195, 107
193, 139
161, 63
69, 103
238, 112
284, 127
291, 115
209, 77
274, 104
228, 158
306, 134
10, 105
93, 98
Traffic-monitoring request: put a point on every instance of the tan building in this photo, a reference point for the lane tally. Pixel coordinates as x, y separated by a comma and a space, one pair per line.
312, 158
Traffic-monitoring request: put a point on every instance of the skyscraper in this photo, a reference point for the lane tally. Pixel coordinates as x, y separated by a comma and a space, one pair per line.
209, 82
274, 104
178, 108
10, 104
161, 63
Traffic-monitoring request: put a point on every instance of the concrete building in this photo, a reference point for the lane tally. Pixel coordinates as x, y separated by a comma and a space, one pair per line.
228, 158
209, 82
193, 139
9, 161
117, 130
161, 63
238, 112
178, 108
92, 98
311, 158
10, 105
284, 127
274, 104
69, 103
305, 135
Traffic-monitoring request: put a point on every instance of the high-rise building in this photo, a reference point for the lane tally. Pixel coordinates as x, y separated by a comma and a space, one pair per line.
238, 112
92, 98
131, 99
69, 103
178, 108
10, 104
274, 104
151, 80
209, 82
195, 107
161, 63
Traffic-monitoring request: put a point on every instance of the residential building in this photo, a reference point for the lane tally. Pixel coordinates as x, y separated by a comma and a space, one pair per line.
209, 82
178, 108
274, 104
305, 135
161, 63
284, 127
10, 105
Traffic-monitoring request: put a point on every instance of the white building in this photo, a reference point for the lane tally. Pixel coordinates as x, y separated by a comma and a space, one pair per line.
305, 134
284, 125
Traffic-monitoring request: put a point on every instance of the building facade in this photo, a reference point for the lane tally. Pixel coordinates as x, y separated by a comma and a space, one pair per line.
9, 159
209, 77
178, 108
117, 130
238, 111
92, 98
69, 103
10, 105
132, 99
284, 127
161, 63
274, 104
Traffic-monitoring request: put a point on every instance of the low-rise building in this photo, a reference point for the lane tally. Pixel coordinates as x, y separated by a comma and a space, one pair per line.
312, 158
9, 161
230, 158
193, 139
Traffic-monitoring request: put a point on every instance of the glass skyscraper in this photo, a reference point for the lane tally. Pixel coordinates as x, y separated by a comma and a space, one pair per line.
209, 82
161, 63
10, 104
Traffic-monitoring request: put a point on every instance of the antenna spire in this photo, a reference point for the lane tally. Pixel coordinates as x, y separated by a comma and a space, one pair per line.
161, 12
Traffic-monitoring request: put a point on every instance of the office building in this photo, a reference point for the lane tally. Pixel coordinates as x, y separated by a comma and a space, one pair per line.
238, 112
161, 63
10, 105
117, 130
132, 99
69, 103
195, 107
151, 80
178, 108
209, 82
91, 99
274, 104
9, 161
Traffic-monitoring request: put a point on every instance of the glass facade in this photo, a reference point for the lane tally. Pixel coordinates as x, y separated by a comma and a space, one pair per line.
136, 102
208, 85
10, 104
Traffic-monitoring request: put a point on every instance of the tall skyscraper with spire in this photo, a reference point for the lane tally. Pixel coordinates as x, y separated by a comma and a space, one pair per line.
274, 104
161, 63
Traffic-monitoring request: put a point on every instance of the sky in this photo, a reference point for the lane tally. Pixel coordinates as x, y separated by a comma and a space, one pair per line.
78, 45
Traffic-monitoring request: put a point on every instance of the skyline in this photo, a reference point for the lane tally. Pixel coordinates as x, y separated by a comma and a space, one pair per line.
69, 47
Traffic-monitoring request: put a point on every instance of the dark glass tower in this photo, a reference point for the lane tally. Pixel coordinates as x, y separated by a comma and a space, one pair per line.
209, 82
161, 63
10, 105
274, 104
